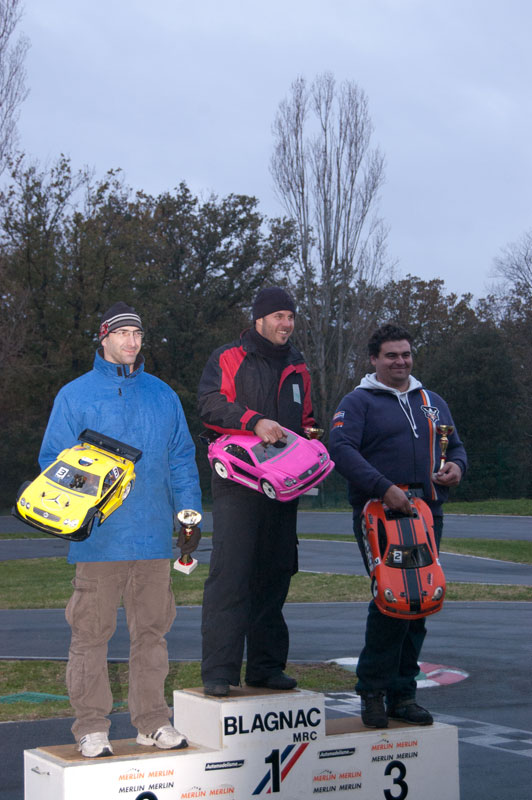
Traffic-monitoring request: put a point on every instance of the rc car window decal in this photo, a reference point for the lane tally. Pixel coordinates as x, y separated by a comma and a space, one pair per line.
70, 478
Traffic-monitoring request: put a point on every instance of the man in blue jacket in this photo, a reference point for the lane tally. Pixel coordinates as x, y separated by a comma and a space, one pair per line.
384, 435
127, 558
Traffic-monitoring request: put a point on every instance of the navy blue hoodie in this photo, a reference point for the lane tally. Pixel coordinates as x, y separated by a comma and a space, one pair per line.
381, 436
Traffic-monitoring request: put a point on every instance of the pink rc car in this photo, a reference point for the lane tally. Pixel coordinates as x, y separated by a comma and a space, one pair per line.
282, 471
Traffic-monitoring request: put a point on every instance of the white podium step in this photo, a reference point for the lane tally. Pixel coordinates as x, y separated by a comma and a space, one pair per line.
256, 743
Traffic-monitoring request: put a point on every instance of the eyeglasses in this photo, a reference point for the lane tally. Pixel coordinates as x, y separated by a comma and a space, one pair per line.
123, 334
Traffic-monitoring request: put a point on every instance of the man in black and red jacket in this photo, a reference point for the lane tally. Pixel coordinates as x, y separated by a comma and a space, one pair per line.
253, 385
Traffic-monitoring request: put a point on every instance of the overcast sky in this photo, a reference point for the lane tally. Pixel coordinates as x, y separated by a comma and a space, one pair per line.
171, 90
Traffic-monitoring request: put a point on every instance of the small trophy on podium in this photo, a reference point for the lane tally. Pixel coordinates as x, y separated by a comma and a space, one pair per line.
188, 519
444, 431
313, 433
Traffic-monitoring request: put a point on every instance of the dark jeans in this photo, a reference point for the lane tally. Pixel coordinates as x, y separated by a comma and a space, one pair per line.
254, 556
389, 660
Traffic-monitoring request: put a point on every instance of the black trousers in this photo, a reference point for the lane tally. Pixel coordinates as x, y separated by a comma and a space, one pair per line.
253, 558
389, 659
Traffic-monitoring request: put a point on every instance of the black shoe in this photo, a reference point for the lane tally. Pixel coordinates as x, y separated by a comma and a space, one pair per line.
411, 713
216, 688
280, 681
372, 709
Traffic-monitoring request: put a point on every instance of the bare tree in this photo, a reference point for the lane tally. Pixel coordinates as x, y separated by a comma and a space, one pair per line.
514, 265
328, 179
12, 74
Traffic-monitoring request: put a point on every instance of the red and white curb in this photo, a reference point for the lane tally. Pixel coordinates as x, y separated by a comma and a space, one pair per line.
430, 675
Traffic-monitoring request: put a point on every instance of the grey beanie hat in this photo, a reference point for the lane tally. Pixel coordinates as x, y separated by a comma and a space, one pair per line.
116, 317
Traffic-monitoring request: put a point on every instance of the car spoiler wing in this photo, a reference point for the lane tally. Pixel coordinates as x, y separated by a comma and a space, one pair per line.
112, 445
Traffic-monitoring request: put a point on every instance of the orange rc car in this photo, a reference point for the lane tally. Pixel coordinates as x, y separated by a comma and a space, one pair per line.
407, 579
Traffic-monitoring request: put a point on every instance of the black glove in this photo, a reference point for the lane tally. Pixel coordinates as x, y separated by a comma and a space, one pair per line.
187, 544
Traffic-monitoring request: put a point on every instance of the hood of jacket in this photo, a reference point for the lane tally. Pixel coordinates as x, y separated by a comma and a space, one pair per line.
371, 382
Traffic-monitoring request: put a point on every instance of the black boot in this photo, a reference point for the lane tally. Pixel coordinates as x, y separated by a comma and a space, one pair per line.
373, 711
279, 680
409, 711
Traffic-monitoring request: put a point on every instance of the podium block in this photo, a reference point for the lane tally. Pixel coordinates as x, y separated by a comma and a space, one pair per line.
249, 715
254, 743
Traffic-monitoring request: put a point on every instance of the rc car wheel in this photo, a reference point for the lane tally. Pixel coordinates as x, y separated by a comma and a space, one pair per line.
374, 587
128, 487
268, 490
85, 530
22, 488
221, 469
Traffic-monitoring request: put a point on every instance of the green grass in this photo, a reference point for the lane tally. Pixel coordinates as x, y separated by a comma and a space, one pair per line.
46, 582
521, 507
35, 583
514, 550
48, 677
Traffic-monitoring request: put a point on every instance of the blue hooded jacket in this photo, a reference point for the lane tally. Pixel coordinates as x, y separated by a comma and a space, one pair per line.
143, 411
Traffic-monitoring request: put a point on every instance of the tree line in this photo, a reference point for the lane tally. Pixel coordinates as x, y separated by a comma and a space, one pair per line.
72, 244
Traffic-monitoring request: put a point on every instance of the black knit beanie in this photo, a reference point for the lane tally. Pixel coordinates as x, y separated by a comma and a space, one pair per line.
270, 300
118, 316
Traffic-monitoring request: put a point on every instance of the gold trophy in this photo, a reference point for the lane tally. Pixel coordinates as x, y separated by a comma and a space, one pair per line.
188, 519
444, 431
313, 433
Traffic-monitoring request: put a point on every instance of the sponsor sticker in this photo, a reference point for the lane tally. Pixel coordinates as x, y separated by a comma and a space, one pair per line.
344, 751
431, 412
235, 764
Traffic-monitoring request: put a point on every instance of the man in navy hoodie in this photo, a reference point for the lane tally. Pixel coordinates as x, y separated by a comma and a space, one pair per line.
383, 435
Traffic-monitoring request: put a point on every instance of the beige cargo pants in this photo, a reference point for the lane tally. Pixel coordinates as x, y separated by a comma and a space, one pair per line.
145, 589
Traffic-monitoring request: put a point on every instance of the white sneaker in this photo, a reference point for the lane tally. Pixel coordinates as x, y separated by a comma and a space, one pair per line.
95, 745
166, 738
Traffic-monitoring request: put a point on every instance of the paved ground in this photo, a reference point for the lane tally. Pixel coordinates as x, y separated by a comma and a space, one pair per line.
314, 555
339, 522
492, 707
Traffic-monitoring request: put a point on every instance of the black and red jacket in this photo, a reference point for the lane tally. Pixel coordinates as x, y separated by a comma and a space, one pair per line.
239, 386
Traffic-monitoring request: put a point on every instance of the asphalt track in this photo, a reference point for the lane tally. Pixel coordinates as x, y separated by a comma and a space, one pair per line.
341, 557
339, 522
490, 641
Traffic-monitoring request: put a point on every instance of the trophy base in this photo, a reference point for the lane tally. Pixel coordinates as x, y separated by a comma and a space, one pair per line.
186, 568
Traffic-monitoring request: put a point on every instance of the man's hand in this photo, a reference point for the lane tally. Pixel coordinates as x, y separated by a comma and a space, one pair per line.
449, 475
396, 500
187, 544
269, 431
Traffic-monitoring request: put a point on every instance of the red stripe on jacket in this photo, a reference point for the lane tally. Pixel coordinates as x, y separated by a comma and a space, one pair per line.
230, 361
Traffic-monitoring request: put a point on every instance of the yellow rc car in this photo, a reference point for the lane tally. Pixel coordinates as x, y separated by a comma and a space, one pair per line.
87, 482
